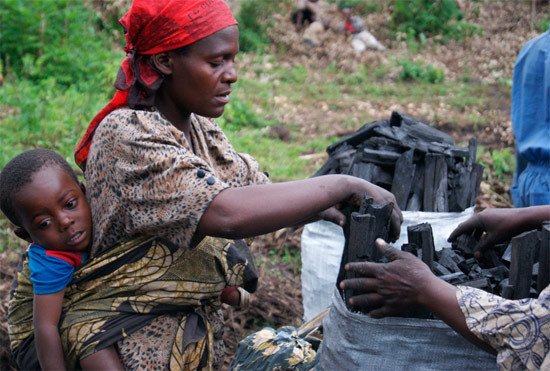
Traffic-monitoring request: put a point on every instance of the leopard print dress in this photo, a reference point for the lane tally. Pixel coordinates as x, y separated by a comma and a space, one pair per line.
144, 178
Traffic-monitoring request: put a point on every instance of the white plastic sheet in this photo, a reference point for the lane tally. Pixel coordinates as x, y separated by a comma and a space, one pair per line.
323, 242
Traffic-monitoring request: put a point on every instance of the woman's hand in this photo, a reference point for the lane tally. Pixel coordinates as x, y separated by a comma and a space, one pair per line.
494, 226
391, 288
380, 196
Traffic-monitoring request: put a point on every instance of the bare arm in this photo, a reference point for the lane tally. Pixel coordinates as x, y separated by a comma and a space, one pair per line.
253, 210
46, 314
402, 284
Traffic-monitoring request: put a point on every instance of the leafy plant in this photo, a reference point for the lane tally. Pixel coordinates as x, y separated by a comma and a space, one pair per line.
238, 115
412, 71
543, 24
501, 163
54, 39
254, 21
431, 17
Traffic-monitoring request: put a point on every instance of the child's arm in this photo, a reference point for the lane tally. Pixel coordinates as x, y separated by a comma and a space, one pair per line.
235, 296
46, 314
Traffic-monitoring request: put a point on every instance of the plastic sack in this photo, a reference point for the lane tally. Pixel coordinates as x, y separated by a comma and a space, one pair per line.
322, 244
354, 341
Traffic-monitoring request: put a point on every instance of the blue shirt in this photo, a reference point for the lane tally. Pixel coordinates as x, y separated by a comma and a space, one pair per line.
531, 122
52, 271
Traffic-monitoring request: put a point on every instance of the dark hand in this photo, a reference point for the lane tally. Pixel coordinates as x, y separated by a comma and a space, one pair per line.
381, 197
490, 227
389, 288
333, 215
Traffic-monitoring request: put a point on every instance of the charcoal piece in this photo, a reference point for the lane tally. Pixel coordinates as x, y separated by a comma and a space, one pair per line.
440, 270
364, 170
507, 255
506, 290
403, 178
467, 265
476, 272
338, 162
435, 183
383, 178
523, 252
411, 248
386, 144
421, 235
419, 129
480, 283
472, 152
357, 137
415, 201
450, 260
543, 278
455, 278
458, 152
490, 259
461, 186
382, 218
397, 135
496, 274
362, 227
465, 244
361, 230
475, 180
378, 157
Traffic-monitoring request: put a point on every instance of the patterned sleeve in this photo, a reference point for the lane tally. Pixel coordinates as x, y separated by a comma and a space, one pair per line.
49, 274
519, 330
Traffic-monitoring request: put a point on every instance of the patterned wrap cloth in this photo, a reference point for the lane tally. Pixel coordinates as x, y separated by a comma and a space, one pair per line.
147, 277
519, 330
144, 177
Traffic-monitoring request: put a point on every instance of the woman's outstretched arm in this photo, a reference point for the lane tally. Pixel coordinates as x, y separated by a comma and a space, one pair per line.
257, 209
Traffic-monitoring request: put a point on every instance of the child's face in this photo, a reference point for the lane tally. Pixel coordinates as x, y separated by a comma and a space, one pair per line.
54, 212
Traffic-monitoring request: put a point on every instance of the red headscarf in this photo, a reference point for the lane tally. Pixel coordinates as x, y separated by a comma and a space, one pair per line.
153, 27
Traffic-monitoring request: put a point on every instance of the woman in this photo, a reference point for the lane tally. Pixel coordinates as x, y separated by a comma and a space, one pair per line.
518, 330
155, 164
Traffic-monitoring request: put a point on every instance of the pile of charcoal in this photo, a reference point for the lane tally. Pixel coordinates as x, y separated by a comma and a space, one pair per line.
520, 269
419, 164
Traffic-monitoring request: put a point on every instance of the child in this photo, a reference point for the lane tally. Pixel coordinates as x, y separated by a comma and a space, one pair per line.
41, 195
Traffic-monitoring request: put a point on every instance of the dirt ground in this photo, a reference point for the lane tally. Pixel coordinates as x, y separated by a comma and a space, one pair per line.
489, 58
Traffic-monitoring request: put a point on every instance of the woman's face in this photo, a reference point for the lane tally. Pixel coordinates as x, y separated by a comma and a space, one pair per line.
201, 78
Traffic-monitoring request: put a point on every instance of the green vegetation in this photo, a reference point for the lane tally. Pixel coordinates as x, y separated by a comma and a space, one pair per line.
254, 21
52, 39
360, 6
421, 18
543, 24
412, 71
499, 164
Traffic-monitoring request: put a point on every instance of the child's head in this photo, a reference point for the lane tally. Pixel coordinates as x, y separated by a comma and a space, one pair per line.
41, 195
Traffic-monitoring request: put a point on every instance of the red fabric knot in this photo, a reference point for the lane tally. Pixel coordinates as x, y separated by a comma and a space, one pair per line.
152, 27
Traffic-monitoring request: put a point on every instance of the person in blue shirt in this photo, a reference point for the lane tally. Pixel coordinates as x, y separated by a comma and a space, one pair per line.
531, 123
41, 195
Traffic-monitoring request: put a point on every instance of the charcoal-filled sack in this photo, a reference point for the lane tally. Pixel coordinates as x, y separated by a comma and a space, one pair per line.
354, 341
